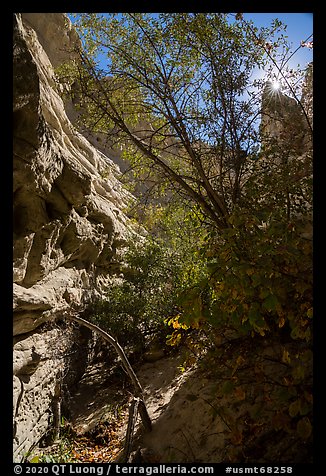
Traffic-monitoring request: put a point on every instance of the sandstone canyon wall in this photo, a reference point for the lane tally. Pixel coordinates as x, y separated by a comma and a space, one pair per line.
69, 226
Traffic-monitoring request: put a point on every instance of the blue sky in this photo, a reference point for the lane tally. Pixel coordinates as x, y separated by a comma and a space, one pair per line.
299, 27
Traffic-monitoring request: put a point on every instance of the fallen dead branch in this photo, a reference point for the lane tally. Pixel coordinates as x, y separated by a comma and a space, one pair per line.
137, 404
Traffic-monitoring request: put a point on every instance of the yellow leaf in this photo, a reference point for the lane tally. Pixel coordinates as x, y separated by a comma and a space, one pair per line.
218, 339
308, 397
281, 322
174, 338
194, 325
286, 357
240, 360
176, 324
280, 421
298, 372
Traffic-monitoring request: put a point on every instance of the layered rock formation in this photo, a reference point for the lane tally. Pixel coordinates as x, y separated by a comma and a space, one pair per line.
69, 225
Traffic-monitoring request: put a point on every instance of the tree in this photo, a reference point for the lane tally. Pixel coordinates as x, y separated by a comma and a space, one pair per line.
172, 93
177, 95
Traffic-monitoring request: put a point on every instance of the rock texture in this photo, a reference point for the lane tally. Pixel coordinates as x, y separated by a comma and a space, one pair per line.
287, 130
285, 122
44, 361
69, 225
307, 95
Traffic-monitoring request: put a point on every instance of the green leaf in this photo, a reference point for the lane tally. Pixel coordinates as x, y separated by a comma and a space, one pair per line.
305, 407
283, 394
254, 313
270, 303
304, 428
256, 410
298, 372
212, 267
227, 387
307, 355
294, 408
256, 280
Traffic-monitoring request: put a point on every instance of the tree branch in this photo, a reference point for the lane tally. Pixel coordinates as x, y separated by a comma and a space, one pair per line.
125, 362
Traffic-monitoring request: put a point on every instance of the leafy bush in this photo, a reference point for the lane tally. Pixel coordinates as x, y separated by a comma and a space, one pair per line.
259, 286
135, 306
154, 273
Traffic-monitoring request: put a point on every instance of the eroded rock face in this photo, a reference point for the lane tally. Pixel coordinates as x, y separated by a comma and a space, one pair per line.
286, 130
68, 220
43, 359
69, 225
287, 123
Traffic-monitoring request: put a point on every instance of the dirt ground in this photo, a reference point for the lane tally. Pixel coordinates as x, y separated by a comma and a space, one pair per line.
195, 416
185, 426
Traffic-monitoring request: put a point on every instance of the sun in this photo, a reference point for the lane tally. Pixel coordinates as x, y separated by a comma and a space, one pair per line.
273, 89
276, 85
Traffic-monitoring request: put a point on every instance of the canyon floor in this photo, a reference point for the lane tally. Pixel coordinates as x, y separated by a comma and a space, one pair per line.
196, 417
